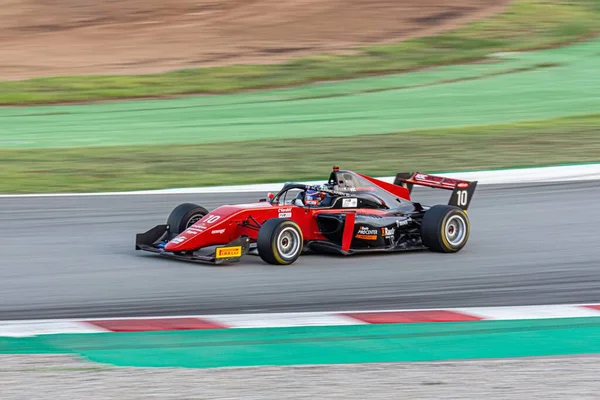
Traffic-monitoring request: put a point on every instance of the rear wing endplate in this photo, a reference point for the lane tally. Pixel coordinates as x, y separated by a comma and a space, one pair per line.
462, 191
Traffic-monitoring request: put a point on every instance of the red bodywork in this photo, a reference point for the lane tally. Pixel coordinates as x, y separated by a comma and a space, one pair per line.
351, 203
229, 222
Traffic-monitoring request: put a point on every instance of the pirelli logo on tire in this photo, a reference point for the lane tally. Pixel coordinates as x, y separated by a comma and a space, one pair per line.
229, 252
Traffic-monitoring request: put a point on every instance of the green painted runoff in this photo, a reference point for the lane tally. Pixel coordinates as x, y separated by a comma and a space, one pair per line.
324, 345
554, 83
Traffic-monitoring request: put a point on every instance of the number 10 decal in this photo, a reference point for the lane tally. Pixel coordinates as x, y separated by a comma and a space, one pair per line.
212, 219
462, 198
463, 191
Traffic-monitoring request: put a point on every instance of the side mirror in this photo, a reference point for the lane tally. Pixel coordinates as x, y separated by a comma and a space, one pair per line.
270, 196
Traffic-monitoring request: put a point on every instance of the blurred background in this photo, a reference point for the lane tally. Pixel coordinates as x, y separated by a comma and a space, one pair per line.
120, 95
123, 95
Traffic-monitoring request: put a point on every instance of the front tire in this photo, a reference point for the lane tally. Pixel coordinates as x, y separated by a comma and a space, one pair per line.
183, 216
445, 229
280, 241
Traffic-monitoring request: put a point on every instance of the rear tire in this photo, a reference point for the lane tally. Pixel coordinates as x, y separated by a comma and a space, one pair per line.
280, 241
445, 229
183, 216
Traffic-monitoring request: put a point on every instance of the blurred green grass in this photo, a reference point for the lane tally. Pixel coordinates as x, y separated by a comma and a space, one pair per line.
514, 89
525, 24
565, 140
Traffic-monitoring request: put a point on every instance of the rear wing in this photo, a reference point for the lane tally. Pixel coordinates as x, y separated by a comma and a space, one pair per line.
462, 191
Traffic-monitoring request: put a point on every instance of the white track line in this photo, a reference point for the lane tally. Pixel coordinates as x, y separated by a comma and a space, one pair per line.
567, 173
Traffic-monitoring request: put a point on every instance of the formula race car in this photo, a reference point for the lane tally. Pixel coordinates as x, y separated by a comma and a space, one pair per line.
351, 213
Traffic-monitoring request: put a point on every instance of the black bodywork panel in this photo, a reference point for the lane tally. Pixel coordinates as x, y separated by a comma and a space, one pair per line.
392, 232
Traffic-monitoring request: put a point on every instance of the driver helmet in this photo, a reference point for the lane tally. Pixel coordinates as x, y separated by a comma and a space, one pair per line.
313, 197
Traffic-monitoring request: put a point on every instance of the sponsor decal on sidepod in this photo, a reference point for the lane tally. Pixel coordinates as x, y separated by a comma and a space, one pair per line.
388, 232
367, 233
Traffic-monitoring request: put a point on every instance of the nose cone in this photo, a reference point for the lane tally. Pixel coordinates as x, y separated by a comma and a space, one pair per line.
178, 243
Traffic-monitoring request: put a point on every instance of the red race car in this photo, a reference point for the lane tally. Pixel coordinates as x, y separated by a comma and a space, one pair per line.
351, 213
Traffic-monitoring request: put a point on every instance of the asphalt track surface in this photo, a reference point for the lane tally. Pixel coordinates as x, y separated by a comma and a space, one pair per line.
69, 257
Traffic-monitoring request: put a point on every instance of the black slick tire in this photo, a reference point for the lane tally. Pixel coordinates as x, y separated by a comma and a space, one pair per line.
280, 241
445, 229
183, 216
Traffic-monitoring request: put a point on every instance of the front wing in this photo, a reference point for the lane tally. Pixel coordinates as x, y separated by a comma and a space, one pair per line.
154, 240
